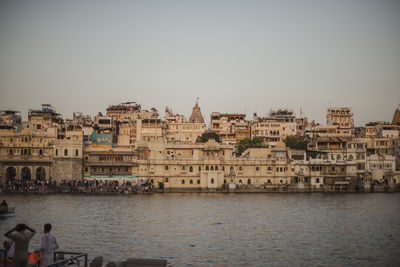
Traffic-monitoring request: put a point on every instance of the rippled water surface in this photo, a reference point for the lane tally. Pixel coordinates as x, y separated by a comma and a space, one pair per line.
221, 229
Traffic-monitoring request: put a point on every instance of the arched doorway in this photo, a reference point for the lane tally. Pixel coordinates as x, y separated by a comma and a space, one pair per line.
25, 173
11, 173
40, 174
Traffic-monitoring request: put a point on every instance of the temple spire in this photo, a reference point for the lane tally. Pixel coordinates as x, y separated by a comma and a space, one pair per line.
196, 114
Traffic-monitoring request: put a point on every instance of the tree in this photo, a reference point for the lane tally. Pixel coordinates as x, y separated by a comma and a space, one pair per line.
256, 142
207, 136
296, 142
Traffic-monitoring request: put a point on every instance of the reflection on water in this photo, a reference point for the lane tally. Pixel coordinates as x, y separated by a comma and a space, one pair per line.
221, 229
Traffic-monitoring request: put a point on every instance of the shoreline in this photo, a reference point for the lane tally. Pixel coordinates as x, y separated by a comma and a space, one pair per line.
268, 190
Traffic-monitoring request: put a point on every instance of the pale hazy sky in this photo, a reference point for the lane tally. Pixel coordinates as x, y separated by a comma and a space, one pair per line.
236, 56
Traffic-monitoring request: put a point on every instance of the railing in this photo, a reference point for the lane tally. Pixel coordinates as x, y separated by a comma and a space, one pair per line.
75, 258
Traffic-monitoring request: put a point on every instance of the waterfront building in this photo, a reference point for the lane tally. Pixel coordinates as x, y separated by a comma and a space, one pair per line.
41, 119
10, 119
226, 125
68, 155
211, 165
109, 163
26, 155
342, 117
279, 125
179, 130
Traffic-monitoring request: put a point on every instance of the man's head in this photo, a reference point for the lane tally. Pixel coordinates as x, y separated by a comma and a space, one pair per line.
47, 227
20, 227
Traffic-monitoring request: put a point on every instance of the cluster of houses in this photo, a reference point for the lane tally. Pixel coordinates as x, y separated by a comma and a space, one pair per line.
130, 143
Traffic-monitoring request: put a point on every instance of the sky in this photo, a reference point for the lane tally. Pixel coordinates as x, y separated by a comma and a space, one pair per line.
236, 56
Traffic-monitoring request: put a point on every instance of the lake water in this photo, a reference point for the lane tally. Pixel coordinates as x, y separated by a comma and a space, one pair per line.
221, 229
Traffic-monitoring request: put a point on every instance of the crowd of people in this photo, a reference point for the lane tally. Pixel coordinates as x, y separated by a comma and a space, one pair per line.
77, 186
16, 246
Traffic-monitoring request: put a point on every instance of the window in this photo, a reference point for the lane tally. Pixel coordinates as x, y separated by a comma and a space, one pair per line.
257, 168
207, 168
198, 181
10, 152
40, 152
166, 180
248, 181
86, 169
212, 180
240, 168
269, 168
65, 152
223, 168
216, 168
191, 181
191, 169
76, 152
224, 181
212, 168
269, 181
199, 168
183, 181
166, 167
183, 168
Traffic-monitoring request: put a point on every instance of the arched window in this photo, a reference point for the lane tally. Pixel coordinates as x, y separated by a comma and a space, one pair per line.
191, 169
224, 181
199, 168
240, 181
40, 152
240, 168
65, 152
338, 157
25, 151
166, 167
269, 168
248, 181
212, 180
40, 174
211, 168
257, 168
269, 181
223, 168
232, 170
166, 179
216, 168
26, 139
183, 168
56, 152
207, 168
351, 157
11, 173
191, 181
183, 181
198, 181
10, 152
317, 180
76, 152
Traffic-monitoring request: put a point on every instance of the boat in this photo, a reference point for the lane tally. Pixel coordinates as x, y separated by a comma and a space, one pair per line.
6, 212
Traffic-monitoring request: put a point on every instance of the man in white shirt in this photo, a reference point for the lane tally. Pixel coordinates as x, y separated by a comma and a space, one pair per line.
49, 244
